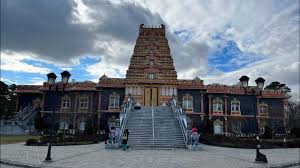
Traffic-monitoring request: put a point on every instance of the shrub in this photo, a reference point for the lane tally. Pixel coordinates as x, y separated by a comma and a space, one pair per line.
295, 132
31, 141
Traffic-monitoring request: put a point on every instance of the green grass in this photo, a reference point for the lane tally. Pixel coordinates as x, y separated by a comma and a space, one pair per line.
9, 139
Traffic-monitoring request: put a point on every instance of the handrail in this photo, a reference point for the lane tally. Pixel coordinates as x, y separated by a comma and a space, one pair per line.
124, 120
180, 119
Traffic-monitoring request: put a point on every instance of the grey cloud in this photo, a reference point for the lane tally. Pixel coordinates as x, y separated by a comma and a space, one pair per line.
45, 27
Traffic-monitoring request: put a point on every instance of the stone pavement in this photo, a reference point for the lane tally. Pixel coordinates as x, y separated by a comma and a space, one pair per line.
95, 156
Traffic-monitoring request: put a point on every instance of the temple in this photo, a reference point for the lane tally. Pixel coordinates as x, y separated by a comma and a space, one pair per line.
151, 80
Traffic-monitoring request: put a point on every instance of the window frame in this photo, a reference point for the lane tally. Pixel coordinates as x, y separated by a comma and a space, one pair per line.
187, 102
65, 103
217, 105
83, 101
263, 108
114, 101
151, 75
235, 106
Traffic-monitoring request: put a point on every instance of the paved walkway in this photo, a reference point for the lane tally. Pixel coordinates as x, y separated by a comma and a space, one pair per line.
95, 156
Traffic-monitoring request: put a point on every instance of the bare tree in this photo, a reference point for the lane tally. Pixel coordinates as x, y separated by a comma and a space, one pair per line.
293, 114
274, 124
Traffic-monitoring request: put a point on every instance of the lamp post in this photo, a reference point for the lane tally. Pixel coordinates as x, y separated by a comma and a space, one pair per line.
255, 92
65, 75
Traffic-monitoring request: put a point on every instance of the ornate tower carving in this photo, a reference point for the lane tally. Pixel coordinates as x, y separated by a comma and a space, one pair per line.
151, 61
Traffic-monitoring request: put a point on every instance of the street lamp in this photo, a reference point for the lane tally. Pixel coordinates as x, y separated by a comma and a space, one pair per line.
259, 86
65, 75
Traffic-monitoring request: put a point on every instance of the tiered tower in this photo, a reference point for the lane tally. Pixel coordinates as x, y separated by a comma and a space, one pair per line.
151, 77
151, 60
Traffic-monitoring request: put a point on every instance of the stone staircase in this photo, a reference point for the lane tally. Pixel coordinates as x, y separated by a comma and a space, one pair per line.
160, 131
21, 124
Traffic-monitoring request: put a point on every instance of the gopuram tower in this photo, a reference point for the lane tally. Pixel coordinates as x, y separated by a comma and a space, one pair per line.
151, 78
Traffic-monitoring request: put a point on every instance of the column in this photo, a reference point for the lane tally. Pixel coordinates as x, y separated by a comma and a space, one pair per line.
92, 102
76, 102
225, 120
202, 103
225, 103
209, 104
42, 102
99, 101
257, 106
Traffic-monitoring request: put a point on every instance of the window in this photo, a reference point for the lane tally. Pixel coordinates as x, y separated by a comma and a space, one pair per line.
151, 62
235, 106
114, 100
217, 105
82, 126
151, 52
263, 108
151, 76
64, 125
187, 102
83, 103
236, 126
66, 102
218, 127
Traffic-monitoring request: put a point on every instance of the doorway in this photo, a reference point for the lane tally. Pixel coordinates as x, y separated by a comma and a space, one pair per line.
151, 97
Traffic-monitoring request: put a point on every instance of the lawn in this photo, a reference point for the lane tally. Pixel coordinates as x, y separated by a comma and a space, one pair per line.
5, 139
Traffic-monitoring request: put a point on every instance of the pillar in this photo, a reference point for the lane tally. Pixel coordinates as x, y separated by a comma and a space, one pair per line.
257, 106
225, 103
209, 104
43, 102
225, 122
99, 101
202, 103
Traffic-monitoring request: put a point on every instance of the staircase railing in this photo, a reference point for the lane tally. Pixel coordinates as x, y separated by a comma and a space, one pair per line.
181, 119
25, 111
124, 119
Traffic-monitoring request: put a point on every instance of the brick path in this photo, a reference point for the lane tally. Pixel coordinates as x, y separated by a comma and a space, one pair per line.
95, 155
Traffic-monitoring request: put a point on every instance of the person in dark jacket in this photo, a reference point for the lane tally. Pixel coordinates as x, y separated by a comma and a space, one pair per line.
106, 134
125, 139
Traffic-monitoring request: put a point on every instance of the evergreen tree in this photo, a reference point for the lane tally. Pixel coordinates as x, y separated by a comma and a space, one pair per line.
278, 86
7, 100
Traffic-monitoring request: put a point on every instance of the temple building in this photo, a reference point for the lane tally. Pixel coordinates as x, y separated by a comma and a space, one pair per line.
151, 80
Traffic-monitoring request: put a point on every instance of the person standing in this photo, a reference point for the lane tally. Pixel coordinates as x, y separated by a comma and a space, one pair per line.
106, 134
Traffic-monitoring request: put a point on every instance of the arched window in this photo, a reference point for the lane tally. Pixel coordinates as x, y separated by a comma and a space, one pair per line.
187, 102
66, 102
217, 105
114, 100
263, 108
235, 106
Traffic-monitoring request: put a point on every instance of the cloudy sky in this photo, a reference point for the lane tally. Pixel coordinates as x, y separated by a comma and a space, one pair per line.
218, 41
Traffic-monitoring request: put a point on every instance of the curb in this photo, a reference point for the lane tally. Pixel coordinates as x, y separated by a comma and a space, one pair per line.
17, 164
285, 165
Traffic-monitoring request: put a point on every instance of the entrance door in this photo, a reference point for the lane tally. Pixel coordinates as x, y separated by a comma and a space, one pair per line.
147, 97
151, 97
154, 97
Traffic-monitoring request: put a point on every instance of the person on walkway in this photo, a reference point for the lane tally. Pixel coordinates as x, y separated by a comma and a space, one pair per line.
194, 129
106, 133
113, 134
124, 142
194, 138
126, 132
125, 139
